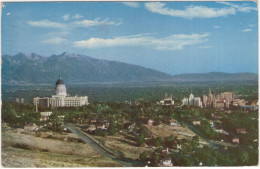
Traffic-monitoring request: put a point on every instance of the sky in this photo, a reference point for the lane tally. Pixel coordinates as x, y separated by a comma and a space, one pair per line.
172, 37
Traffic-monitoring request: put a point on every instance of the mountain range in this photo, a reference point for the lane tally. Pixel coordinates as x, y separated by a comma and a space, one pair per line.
26, 69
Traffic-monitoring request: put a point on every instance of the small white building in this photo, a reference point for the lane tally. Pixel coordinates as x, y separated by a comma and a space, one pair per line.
46, 114
91, 128
167, 100
196, 123
150, 122
166, 162
174, 122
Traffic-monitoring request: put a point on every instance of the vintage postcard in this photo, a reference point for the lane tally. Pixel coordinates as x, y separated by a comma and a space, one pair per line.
129, 84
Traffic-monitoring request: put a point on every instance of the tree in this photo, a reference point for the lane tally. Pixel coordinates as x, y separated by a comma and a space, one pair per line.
170, 141
56, 123
158, 141
111, 128
140, 139
195, 142
243, 157
143, 156
100, 132
155, 158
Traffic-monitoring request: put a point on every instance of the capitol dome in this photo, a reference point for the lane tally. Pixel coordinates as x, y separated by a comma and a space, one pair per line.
60, 88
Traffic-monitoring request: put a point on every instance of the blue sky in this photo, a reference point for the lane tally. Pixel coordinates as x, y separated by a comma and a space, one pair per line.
172, 37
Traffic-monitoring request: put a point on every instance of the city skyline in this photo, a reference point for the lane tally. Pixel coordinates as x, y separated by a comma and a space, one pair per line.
172, 37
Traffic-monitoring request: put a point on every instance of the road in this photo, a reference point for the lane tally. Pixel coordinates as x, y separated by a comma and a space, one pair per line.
212, 143
101, 149
196, 131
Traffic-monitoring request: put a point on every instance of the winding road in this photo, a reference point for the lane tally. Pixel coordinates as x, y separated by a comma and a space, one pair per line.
101, 149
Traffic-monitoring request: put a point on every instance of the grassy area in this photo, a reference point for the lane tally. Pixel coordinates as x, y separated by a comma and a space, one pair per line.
22, 150
123, 144
164, 130
16, 157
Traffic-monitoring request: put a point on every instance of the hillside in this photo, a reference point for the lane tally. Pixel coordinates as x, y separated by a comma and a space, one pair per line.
28, 69
215, 76
36, 69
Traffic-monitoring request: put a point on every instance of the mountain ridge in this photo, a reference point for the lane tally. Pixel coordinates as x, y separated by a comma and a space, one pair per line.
81, 69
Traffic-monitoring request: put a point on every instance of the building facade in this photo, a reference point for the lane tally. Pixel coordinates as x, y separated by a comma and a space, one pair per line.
61, 99
167, 100
192, 101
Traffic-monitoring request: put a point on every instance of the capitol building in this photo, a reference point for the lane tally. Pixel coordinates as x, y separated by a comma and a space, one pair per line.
61, 99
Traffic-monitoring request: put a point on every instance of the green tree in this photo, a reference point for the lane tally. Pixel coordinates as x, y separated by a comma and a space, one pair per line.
111, 128
155, 158
158, 141
143, 156
140, 139
100, 132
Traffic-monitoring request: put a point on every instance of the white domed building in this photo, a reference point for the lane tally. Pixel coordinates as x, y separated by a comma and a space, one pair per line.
60, 88
61, 99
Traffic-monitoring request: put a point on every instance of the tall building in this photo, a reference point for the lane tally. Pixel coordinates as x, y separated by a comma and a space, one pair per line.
61, 99
17, 100
228, 96
22, 100
167, 100
192, 101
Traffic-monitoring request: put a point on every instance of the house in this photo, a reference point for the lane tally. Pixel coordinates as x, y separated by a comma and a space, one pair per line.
196, 123
45, 116
165, 150
211, 123
137, 103
167, 100
173, 122
61, 118
179, 146
93, 121
101, 126
166, 162
91, 128
221, 131
30, 127
131, 127
235, 140
150, 122
241, 130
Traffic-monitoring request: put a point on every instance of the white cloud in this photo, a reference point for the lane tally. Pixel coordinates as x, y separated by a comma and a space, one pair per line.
80, 23
46, 24
216, 27
205, 47
247, 30
172, 42
240, 8
190, 11
77, 16
251, 25
9, 13
132, 4
96, 22
56, 40
66, 17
